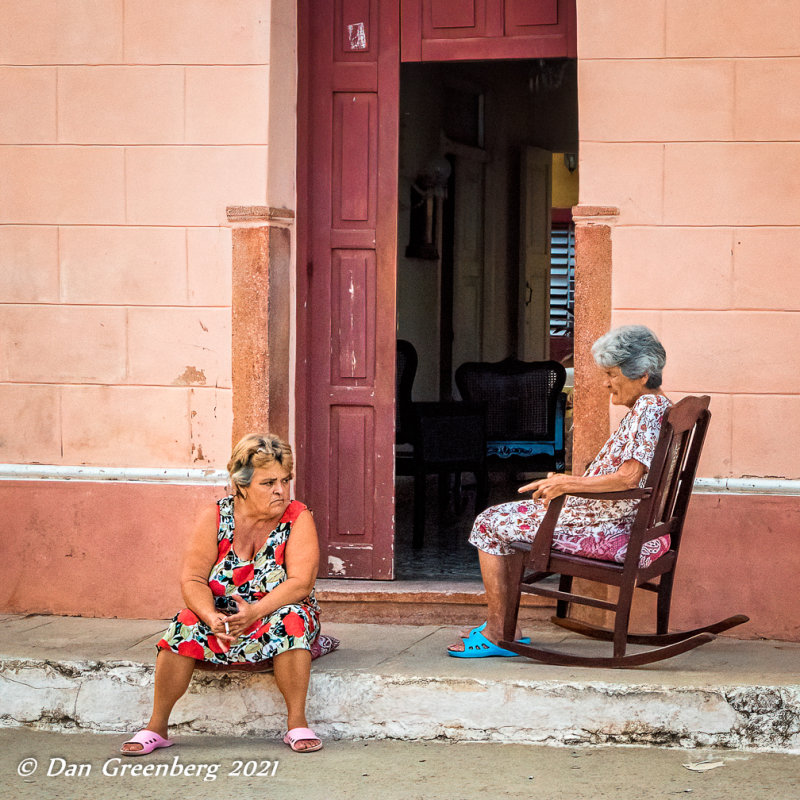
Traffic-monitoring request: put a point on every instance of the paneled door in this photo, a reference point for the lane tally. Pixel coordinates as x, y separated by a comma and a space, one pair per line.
347, 223
534, 256
446, 30
468, 258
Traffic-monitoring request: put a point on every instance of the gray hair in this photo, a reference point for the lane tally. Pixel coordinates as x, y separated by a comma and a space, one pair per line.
635, 349
254, 451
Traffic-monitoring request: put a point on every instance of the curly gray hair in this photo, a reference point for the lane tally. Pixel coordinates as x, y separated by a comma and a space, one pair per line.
635, 349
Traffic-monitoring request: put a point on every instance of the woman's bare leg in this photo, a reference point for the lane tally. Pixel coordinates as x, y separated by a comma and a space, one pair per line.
292, 672
173, 674
498, 574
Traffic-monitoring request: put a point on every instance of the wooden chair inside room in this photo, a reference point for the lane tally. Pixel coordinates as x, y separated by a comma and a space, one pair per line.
436, 438
449, 438
524, 411
405, 372
662, 510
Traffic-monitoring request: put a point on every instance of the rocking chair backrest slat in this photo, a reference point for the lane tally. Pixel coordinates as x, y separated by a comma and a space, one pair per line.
695, 446
666, 490
671, 475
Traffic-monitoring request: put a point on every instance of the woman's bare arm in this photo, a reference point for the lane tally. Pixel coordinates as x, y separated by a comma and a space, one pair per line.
199, 558
627, 476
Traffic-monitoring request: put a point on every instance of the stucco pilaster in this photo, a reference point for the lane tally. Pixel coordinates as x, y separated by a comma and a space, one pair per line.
592, 319
261, 319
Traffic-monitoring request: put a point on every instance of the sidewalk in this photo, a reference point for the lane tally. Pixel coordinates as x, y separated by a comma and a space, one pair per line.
389, 770
395, 681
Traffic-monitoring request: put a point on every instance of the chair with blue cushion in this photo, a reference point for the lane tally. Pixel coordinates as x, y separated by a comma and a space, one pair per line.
524, 411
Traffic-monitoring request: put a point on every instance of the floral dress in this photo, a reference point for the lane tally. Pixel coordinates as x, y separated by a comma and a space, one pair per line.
591, 528
294, 626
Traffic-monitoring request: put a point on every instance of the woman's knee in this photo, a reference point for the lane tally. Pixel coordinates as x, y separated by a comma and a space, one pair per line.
292, 664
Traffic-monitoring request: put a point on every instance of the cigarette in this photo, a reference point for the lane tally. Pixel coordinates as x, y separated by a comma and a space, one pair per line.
227, 629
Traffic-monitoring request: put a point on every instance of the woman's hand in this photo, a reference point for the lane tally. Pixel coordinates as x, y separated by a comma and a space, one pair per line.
243, 619
547, 489
628, 476
216, 622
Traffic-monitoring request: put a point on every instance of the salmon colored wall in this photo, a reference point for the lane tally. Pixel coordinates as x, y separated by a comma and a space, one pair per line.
686, 128
105, 549
128, 127
736, 548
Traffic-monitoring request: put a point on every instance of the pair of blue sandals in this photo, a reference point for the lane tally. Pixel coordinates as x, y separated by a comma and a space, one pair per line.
476, 645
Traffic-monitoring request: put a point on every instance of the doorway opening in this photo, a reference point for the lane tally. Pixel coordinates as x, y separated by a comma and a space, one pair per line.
485, 267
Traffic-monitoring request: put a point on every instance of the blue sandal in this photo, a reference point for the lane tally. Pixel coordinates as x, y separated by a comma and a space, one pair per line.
476, 645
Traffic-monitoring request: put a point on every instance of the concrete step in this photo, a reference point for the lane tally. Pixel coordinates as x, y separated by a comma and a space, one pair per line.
395, 681
428, 602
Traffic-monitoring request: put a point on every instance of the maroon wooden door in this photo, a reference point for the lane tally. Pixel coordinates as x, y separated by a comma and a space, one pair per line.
445, 30
347, 219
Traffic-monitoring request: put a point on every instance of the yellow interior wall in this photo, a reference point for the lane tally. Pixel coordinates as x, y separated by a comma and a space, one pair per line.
565, 184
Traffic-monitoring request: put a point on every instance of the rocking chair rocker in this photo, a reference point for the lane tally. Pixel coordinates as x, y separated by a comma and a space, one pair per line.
662, 510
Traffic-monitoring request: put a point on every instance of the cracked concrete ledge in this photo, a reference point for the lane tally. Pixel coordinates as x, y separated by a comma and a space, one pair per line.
115, 696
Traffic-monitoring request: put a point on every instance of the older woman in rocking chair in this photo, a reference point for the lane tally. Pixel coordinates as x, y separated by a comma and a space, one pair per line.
632, 360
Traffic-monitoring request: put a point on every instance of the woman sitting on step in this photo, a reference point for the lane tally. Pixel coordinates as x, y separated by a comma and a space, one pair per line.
248, 583
632, 360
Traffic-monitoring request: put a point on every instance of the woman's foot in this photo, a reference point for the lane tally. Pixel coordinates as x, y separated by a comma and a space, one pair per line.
477, 645
302, 740
465, 632
458, 647
145, 741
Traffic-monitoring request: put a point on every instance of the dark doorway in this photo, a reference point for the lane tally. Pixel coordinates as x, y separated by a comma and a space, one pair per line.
476, 140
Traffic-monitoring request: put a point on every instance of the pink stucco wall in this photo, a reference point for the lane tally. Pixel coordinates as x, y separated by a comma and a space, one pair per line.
686, 129
127, 128
99, 549
686, 126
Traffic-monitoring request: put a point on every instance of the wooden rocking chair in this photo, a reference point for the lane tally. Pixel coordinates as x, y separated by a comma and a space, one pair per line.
662, 510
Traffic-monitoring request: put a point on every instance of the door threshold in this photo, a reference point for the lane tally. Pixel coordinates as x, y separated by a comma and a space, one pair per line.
422, 602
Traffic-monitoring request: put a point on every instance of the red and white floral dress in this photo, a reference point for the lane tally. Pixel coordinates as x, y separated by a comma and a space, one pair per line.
289, 627
591, 528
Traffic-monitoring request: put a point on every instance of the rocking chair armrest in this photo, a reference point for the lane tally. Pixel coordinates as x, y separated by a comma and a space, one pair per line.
625, 494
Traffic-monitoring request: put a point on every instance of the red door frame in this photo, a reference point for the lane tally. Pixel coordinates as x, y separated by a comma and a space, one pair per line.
348, 80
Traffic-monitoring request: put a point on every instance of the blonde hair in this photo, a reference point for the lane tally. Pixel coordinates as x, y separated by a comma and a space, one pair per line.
253, 451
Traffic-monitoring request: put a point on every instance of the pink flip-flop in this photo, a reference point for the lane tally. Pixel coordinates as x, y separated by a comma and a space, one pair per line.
296, 735
149, 740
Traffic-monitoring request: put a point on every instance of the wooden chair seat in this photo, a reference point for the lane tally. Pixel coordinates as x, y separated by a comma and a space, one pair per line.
663, 503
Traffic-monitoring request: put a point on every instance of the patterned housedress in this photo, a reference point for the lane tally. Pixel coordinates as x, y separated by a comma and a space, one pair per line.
591, 528
295, 626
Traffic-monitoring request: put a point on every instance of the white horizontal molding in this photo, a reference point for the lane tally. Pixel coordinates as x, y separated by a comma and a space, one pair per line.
781, 486
183, 477
197, 477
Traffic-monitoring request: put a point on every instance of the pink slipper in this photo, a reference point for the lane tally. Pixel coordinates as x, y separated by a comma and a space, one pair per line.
149, 740
296, 735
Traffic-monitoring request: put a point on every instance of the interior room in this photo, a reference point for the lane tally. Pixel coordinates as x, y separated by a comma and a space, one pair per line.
488, 174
